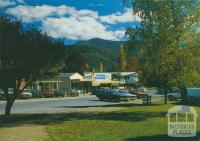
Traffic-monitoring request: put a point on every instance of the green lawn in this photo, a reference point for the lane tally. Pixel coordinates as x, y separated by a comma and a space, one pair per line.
136, 123
133, 123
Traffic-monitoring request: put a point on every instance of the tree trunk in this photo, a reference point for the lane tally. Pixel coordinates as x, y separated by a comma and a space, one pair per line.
184, 95
165, 98
9, 105
10, 99
165, 93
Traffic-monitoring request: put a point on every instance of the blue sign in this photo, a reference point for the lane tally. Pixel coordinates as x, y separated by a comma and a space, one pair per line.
102, 76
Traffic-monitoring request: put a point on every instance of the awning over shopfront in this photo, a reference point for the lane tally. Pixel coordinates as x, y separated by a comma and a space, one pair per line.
98, 83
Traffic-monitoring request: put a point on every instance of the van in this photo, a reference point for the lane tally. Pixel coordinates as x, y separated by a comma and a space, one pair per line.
193, 95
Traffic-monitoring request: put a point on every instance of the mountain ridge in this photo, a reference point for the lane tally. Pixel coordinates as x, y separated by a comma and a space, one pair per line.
114, 45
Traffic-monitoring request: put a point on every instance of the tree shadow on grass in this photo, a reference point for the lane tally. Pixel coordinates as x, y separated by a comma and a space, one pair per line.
180, 103
107, 106
46, 119
164, 138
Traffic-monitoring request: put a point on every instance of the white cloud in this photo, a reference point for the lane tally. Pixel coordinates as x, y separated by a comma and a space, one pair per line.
68, 22
5, 3
83, 28
35, 13
32, 13
119, 34
83, 13
119, 17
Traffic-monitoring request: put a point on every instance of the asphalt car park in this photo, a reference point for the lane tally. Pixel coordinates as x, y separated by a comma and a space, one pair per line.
62, 104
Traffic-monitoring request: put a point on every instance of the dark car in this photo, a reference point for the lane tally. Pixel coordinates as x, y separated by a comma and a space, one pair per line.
114, 95
59, 94
100, 90
73, 93
37, 93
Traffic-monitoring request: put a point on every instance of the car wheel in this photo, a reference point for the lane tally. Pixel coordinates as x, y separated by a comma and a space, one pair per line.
117, 100
170, 97
101, 98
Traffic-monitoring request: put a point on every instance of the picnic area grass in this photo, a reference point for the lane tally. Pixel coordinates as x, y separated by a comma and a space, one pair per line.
134, 122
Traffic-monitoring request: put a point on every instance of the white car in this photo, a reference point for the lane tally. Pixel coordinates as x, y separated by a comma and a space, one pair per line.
26, 94
142, 89
174, 96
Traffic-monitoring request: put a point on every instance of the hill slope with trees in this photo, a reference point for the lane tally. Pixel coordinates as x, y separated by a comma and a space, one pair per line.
98, 50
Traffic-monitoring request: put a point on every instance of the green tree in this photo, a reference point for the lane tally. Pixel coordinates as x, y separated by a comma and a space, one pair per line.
95, 54
132, 64
101, 67
86, 67
122, 58
166, 37
75, 63
24, 55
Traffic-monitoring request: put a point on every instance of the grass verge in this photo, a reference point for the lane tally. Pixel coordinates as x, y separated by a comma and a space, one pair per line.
133, 123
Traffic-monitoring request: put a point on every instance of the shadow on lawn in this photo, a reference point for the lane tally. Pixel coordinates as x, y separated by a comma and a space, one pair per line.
163, 138
45, 119
180, 103
111, 105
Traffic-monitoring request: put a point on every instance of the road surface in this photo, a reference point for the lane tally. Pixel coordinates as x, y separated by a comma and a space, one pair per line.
58, 105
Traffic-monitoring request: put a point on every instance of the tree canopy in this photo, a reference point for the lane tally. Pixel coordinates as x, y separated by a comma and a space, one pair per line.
76, 63
101, 67
122, 58
166, 37
26, 54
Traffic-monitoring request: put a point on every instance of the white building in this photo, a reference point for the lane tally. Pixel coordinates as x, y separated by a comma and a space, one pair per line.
125, 77
111, 78
89, 80
70, 81
75, 81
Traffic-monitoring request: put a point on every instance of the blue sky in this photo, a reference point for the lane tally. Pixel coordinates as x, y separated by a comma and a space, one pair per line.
74, 19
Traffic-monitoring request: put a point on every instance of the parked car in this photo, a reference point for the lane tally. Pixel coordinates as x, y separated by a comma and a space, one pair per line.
37, 93
3, 96
26, 94
193, 95
124, 95
114, 95
73, 93
174, 96
142, 89
101, 89
133, 91
138, 90
48, 93
59, 93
